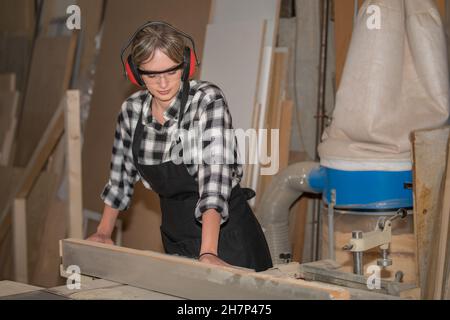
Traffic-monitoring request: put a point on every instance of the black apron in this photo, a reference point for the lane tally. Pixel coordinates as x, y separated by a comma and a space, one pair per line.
241, 239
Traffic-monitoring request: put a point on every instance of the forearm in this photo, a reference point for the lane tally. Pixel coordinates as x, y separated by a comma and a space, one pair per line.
108, 221
210, 231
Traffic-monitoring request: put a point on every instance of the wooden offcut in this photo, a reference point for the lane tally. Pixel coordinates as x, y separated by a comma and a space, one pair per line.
178, 276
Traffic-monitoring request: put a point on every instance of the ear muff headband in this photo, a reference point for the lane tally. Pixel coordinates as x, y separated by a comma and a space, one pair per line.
190, 56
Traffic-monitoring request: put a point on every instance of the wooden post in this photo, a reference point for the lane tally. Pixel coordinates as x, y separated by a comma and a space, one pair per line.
19, 227
73, 153
429, 159
441, 238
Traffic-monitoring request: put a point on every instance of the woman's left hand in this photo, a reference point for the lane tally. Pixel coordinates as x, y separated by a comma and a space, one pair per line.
211, 259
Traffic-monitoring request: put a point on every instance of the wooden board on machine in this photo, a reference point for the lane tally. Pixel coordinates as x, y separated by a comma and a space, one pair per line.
156, 271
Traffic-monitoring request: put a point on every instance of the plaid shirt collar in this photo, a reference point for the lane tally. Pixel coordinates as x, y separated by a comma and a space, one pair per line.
170, 114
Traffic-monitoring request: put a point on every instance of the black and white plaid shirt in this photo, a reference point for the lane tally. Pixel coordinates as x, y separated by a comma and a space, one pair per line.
207, 112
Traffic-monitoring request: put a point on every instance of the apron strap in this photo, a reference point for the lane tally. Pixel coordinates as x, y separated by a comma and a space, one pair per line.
184, 99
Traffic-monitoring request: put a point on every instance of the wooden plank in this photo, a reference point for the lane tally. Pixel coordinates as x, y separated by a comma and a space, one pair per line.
50, 73
38, 159
46, 271
100, 289
274, 112
9, 177
439, 272
429, 159
73, 167
8, 110
19, 225
39, 202
177, 275
9, 288
122, 292
7, 82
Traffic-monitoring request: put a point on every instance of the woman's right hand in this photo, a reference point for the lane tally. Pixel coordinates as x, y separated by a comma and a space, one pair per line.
100, 238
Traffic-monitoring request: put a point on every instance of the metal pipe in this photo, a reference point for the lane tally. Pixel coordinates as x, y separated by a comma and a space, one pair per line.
357, 256
331, 251
321, 115
321, 112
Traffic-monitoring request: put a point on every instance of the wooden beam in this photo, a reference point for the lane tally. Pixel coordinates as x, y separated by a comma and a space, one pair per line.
439, 273
73, 167
429, 151
186, 278
19, 224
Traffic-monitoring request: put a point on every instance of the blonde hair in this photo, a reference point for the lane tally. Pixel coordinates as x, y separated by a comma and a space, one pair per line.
154, 37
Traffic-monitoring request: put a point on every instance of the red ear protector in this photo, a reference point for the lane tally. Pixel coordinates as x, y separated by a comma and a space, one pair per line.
190, 60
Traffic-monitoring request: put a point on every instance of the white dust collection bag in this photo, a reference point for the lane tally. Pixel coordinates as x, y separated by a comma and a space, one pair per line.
395, 81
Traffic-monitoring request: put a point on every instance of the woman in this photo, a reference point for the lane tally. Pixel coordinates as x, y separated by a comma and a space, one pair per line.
205, 213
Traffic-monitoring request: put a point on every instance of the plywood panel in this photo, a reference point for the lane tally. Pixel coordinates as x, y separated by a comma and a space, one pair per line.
111, 89
238, 77
226, 11
17, 16
15, 52
50, 72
